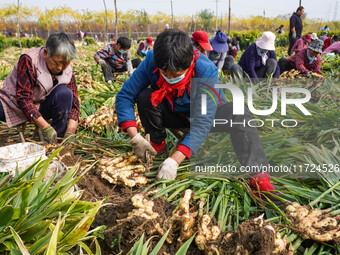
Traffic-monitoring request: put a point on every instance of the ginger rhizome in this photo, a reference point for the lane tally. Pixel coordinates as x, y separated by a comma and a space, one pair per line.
313, 223
125, 170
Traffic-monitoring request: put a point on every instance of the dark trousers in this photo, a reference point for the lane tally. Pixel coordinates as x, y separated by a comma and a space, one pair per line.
284, 65
110, 68
292, 41
57, 106
246, 140
228, 62
156, 119
263, 71
2, 113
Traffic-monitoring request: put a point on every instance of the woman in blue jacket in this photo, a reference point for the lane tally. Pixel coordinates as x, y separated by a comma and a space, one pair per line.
168, 87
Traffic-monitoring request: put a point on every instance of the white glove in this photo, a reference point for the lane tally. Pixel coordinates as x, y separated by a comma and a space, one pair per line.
294, 35
140, 146
129, 67
102, 63
167, 170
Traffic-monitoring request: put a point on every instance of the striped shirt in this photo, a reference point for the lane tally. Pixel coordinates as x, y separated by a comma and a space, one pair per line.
117, 60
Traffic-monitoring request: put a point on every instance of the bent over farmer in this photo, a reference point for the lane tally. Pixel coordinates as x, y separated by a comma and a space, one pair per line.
162, 88
42, 87
144, 47
115, 57
307, 61
258, 60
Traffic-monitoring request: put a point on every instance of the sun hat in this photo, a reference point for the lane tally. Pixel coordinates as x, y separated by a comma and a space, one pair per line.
219, 42
149, 41
314, 36
266, 41
316, 45
307, 37
202, 38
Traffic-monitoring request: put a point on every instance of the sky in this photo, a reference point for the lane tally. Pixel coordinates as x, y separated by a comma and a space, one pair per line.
314, 8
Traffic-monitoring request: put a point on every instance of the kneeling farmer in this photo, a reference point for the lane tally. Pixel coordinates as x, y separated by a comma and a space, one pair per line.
258, 60
169, 70
41, 87
307, 61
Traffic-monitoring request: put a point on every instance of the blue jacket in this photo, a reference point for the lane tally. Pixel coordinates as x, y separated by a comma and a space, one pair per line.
205, 76
251, 60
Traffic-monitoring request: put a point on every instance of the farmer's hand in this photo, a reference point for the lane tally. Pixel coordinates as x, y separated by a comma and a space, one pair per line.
130, 73
102, 63
49, 134
140, 146
294, 35
168, 170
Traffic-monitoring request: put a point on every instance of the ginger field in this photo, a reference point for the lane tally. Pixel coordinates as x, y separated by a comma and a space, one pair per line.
119, 208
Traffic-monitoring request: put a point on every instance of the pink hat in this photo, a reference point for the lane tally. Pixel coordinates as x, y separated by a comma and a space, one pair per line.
202, 38
266, 41
307, 37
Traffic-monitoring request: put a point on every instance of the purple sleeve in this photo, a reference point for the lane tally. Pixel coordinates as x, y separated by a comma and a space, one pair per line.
277, 71
250, 60
141, 46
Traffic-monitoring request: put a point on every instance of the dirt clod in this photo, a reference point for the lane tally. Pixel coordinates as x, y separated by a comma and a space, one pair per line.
253, 236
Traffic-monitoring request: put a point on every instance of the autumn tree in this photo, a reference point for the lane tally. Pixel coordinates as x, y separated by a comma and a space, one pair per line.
142, 18
206, 18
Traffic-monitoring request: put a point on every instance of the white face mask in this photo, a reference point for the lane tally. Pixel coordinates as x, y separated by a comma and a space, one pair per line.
263, 55
311, 59
173, 80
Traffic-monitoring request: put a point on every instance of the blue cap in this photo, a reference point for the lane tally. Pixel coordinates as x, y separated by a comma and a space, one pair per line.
219, 43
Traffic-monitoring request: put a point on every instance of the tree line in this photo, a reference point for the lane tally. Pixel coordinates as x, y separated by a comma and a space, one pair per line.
40, 22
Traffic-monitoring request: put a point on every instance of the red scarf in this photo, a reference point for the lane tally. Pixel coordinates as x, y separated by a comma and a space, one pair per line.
176, 90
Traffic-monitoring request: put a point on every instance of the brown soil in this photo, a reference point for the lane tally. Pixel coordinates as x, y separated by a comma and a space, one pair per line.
121, 233
5, 138
249, 238
66, 155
